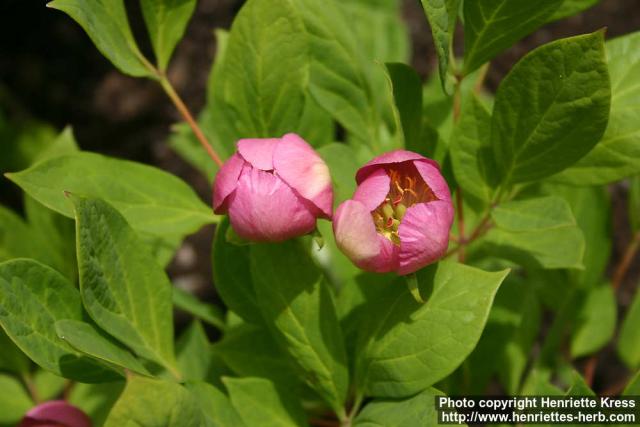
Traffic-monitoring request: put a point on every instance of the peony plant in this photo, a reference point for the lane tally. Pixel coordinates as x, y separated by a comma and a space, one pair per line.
339, 174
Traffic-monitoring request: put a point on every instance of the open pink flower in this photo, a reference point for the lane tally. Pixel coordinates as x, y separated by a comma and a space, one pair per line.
273, 189
55, 413
400, 215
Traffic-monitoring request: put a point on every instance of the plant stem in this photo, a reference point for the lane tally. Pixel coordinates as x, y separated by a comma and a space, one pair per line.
186, 114
461, 236
31, 388
622, 267
414, 287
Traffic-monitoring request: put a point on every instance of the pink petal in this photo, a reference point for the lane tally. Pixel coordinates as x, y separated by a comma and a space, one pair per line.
357, 238
265, 208
300, 166
258, 151
434, 179
225, 182
424, 235
397, 156
373, 190
56, 412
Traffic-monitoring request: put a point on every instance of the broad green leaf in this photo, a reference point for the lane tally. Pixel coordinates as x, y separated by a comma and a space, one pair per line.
89, 340
592, 209
215, 406
338, 79
189, 303
96, 400
571, 7
470, 149
232, 278
23, 143
150, 402
250, 351
442, 16
595, 322
407, 94
381, 36
32, 298
539, 383
617, 155
298, 306
123, 289
579, 387
166, 21
11, 358
193, 352
15, 236
152, 201
491, 26
540, 231
407, 347
48, 385
551, 109
414, 411
270, 406
65, 143
634, 204
105, 22
14, 400
343, 167
54, 237
316, 125
267, 41
629, 336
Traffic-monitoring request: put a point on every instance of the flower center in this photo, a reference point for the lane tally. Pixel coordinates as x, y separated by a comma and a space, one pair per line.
405, 190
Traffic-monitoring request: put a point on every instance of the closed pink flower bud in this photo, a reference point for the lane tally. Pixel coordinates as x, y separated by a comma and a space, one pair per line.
400, 215
55, 413
273, 189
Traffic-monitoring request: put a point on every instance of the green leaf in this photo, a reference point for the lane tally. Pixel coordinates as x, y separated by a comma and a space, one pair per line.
340, 159
194, 353
267, 39
14, 400
414, 411
298, 306
540, 231
250, 351
91, 341
270, 406
105, 22
579, 387
150, 402
11, 358
407, 347
15, 236
407, 94
595, 322
491, 26
470, 145
96, 400
442, 16
189, 303
151, 200
629, 336
232, 277
123, 289
571, 7
617, 155
166, 21
215, 406
551, 109
32, 298
338, 79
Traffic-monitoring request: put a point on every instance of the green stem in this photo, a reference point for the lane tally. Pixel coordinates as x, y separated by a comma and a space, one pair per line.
414, 287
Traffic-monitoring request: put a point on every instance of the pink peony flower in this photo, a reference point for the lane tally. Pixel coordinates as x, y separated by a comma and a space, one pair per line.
273, 189
400, 215
55, 413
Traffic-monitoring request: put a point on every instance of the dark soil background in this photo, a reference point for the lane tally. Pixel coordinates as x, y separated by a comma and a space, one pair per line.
50, 71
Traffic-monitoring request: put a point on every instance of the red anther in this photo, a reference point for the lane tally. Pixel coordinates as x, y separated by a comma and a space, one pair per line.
389, 223
397, 200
